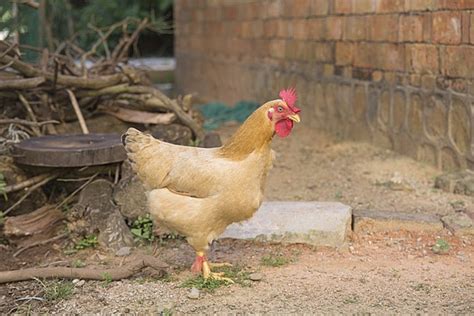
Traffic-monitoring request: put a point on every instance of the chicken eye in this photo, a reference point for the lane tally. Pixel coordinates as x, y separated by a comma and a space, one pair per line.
280, 109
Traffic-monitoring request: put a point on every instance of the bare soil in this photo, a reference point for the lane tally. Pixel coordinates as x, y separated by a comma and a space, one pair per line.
375, 273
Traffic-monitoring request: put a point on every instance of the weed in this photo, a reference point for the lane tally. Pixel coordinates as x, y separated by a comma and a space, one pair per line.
235, 273
2, 218
3, 185
457, 205
200, 283
78, 263
422, 287
142, 228
166, 312
90, 241
338, 195
107, 279
353, 299
57, 290
441, 246
274, 260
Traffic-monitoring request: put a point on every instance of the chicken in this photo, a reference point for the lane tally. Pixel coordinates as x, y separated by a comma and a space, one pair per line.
198, 192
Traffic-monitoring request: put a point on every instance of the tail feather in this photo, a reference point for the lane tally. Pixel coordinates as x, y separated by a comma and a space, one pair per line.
134, 142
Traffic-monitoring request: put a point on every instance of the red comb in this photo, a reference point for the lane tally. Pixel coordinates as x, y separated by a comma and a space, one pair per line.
289, 96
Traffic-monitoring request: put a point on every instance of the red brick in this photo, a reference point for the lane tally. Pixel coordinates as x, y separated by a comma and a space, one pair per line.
246, 29
446, 27
298, 8
383, 27
422, 58
419, 5
334, 27
319, 7
465, 24
277, 48
229, 12
256, 29
274, 9
343, 6
355, 28
458, 61
380, 56
323, 52
411, 28
391, 57
471, 36
344, 53
454, 4
363, 6
364, 55
317, 28
427, 26
283, 28
390, 5
270, 28
300, 29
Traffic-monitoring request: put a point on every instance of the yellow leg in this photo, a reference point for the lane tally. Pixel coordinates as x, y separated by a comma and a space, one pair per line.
207, 273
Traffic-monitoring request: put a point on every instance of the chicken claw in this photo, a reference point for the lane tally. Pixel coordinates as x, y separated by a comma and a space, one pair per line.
206, 273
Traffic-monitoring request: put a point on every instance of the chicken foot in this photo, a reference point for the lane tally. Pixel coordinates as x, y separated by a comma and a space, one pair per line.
204, 266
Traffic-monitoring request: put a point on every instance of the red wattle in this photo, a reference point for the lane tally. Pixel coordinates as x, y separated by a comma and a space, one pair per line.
283, 127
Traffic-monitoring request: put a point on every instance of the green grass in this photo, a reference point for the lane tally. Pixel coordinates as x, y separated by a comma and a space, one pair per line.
78, 263
237, 274
142, 229
3, 185
441, 246
275, 260
90, 241
58, 290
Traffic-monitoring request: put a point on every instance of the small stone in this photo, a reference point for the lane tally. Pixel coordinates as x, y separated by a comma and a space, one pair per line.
75, 281
193, 294
123, 252
80, 283
256, 276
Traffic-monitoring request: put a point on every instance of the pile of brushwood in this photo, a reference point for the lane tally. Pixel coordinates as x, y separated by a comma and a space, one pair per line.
67, 85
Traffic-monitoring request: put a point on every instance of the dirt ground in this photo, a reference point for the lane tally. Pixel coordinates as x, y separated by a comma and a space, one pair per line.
376, 273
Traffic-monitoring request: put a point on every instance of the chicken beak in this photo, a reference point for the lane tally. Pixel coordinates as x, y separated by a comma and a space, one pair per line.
294, 117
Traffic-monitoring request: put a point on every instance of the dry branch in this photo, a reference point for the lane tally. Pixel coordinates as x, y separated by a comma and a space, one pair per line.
25, 184
23, 84
135, 265
25, 122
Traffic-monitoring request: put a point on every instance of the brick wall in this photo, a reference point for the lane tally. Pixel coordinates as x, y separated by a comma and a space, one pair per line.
398, 73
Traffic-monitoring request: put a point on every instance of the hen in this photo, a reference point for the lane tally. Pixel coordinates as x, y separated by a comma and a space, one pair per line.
198, 192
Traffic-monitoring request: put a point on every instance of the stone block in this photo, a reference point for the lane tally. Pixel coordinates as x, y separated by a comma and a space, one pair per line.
383, 27
411, 28
446, 27
313, 223
459, 223
386, 221
383, 6
422, 58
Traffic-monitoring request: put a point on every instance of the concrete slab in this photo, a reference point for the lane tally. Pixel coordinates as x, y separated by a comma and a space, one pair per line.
313, 223
380, 221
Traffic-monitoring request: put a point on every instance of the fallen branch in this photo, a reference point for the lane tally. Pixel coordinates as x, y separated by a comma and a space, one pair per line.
30, 112
135, 265
28, 193
21, 83
26, 122
80, 82
26, 183
78, 112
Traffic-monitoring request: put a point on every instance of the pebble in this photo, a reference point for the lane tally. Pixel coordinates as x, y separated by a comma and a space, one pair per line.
80, 283
123, 252
75, 281
193, 294
256, 276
